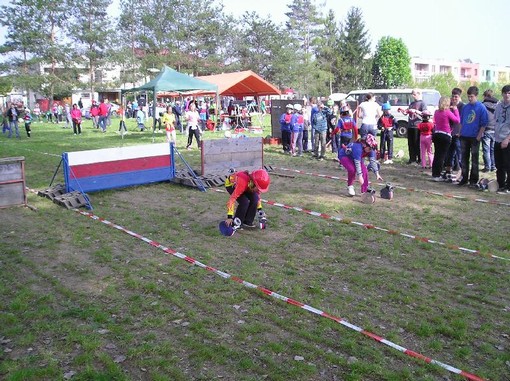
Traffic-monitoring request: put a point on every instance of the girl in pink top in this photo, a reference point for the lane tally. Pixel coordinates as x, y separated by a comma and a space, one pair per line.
76, 118
442, 134
426, 129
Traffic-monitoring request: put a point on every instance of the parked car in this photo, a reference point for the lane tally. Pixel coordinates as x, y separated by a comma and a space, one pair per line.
398, 99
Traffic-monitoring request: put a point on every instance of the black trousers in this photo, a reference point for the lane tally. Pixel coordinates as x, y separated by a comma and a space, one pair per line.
441, 146
286, 140
247, 206
502, 159
413, 144
195, 132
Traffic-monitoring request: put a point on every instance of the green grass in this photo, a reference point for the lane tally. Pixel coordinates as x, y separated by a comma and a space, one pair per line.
77, 295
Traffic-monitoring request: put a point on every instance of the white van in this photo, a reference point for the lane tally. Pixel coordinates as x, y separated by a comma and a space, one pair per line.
398, 99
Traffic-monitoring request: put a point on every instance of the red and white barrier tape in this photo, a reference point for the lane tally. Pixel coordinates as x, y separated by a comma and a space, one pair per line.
370, 226
447, 195
224, 275
467, 375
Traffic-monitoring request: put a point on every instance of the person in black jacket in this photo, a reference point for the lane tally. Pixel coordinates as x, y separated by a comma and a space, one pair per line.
177, 110
488, 136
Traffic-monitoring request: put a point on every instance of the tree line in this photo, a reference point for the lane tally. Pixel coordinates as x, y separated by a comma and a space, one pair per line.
312, 51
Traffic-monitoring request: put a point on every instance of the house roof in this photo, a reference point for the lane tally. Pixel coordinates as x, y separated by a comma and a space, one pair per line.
241, 84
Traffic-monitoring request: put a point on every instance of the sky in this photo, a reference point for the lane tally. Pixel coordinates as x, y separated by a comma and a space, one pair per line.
444, 29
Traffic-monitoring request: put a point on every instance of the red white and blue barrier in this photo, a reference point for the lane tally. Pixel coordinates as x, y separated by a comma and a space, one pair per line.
95, 170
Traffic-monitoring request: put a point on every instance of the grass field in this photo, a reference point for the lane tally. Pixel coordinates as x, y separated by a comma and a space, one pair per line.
82, 300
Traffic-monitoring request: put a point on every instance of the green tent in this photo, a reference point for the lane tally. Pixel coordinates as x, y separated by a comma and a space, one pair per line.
171, 80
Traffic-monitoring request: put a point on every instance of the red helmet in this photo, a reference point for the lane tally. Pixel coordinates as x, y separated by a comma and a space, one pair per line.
370, 140
261, 179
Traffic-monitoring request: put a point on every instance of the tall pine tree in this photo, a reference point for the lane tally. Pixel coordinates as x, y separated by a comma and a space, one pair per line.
355, 69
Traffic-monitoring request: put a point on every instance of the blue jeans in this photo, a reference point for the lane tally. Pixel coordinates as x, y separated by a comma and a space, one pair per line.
366, 129
488, 150
454, 155
102, 122
470, 148
14, 126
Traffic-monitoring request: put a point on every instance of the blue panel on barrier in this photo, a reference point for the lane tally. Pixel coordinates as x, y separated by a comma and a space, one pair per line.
97, 183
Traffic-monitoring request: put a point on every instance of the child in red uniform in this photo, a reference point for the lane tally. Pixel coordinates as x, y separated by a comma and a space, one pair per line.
426, 128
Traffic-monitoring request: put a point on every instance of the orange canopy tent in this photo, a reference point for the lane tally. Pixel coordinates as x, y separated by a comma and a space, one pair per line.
241, 84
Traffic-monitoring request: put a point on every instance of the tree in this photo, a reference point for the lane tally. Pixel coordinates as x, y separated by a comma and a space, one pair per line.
391, 64
444, 83
355, 62
90, 29
305, 26
37, 30
262, 46
328, 58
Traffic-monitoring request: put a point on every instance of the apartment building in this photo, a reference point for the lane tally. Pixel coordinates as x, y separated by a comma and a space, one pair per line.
462, 70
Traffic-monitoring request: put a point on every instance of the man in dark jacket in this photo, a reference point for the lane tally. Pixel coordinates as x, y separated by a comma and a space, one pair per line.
488, 137
177, 110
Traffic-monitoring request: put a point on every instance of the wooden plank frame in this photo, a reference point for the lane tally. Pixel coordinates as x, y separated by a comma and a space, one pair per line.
219, 155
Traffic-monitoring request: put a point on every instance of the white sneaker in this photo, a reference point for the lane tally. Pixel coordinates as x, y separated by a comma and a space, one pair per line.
350, 190
437, 179
389, 161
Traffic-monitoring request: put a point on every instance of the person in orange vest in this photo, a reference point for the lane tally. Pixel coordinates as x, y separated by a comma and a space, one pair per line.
245, 188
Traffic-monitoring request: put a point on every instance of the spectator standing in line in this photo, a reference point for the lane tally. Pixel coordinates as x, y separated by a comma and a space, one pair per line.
27, 118
444, 117
37, 112
313, 109
140, 118
488, 136
60, 113
177, 110
285, 128
414, 111
426, 127
67, 112
169, 121
453, 159
103, 114
94, 114
307, 109
387, 124
320, 128
76, 119
369, 112
54, 111
474, 119
12, 116
502, 141
297, 123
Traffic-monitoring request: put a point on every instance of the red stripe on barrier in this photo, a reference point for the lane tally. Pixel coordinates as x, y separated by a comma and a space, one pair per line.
236, 279
190, 260
372, 335
418, 356
295, 302
119, 166
470, 376
332, 317
324, 215
265, 290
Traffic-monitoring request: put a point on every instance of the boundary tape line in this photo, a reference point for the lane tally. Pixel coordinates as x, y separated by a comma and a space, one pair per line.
370, 226
287, 300
293, 302
446, 195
